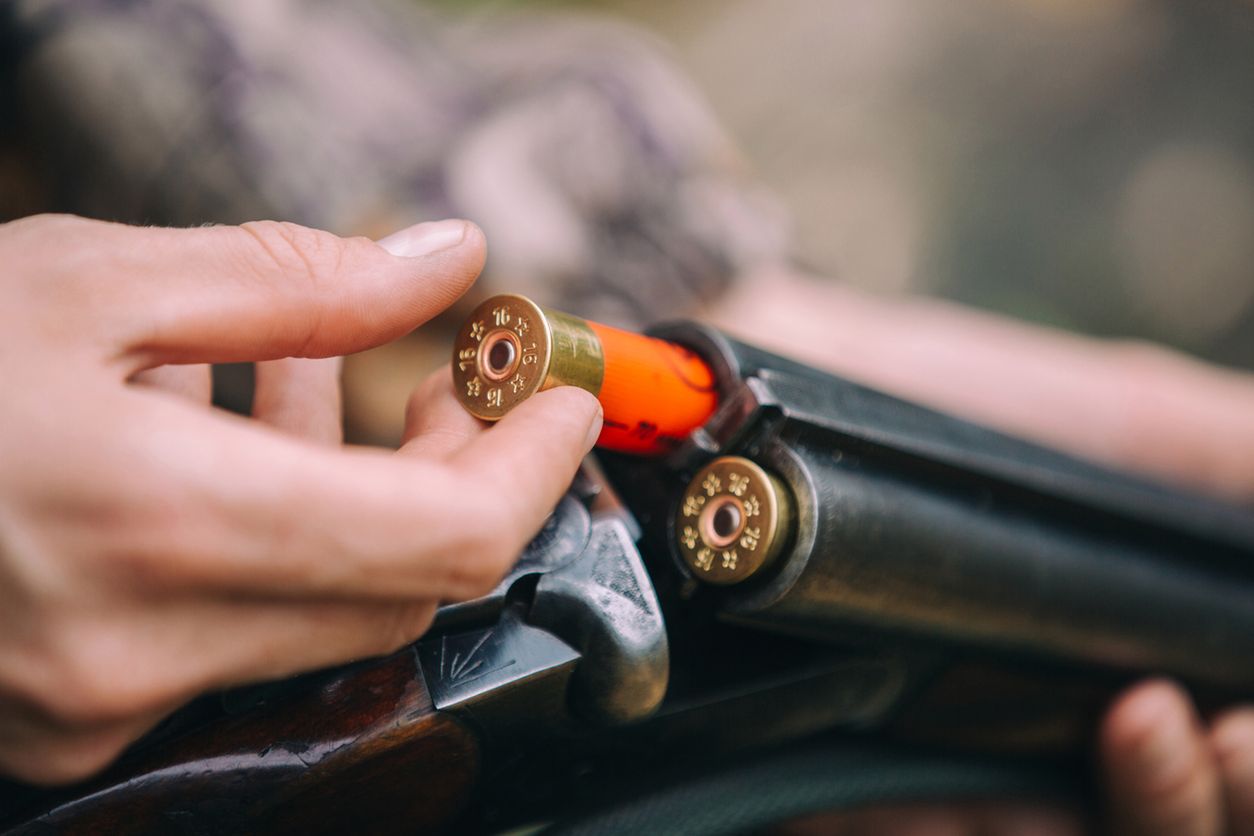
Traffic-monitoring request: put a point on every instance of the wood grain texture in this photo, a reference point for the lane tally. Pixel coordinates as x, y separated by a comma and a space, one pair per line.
361, 751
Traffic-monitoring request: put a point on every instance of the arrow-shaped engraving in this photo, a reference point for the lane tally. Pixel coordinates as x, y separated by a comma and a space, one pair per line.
461, 669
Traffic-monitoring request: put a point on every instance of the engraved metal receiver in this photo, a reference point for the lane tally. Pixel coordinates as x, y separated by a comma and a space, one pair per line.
577, 610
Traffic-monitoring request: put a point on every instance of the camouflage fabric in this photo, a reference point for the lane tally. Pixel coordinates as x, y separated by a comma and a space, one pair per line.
603, 183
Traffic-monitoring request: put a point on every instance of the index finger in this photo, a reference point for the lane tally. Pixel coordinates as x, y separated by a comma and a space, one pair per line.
259, 291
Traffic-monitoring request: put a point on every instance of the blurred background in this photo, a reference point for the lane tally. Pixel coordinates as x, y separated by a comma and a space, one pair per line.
1088, 163
1083, 163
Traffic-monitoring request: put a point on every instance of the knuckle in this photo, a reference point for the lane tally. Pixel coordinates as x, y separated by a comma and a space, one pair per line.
82, 695
491, 548
65, 761
62, 270
157, 536
48, 224
293, 249
418, 406
87, 686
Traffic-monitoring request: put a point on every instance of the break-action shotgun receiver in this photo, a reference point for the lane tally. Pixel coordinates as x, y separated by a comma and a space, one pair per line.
806, 594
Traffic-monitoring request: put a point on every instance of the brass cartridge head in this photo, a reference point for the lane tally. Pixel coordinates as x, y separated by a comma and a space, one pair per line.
733, 520
510, 348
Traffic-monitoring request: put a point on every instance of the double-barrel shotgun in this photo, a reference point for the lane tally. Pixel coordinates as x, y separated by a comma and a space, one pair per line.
772, 592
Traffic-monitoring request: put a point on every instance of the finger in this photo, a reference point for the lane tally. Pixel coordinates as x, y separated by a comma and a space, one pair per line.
1159, 769
173, 650
436, 424
258, 512
1131, 406
266, 290
178, 646
1232, 738
301, 397
38, 750
194, 382
521, 466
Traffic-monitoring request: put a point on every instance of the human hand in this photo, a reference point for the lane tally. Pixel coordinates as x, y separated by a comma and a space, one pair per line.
1169, 773
1166, 773
1132, 406
152, 548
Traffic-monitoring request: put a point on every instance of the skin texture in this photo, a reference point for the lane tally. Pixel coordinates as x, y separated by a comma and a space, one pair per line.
152, 547
1129, 405
141, 531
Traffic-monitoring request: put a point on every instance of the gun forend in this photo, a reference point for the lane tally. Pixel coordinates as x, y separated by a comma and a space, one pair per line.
654, 392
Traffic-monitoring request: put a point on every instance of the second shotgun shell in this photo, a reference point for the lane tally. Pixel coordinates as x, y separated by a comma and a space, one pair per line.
733, 520
654, 392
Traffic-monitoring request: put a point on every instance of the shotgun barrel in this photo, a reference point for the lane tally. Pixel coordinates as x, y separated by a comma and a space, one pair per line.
765, 554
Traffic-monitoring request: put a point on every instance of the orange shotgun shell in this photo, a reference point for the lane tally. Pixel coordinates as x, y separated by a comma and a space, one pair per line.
654, 392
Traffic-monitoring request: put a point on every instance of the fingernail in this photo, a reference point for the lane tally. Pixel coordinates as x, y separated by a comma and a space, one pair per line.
594, 429
425, 238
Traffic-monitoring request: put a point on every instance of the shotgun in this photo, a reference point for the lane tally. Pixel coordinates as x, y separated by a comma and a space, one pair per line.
815, 596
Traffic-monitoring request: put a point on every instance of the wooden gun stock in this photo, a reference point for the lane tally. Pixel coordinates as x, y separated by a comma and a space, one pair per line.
359, 751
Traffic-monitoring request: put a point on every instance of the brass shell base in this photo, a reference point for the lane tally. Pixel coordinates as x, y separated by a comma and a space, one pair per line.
733, 521
539, 349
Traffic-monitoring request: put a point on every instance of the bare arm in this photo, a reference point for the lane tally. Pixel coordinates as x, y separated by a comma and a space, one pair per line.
1130, 405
